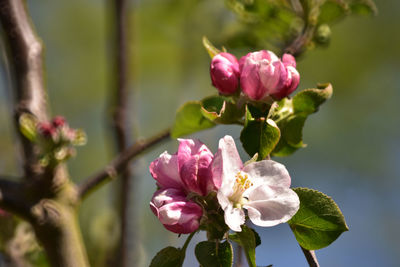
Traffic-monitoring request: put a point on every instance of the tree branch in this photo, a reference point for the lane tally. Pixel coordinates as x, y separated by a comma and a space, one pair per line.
309, 14
116, 166
11, 198
119, 122
25, 58
311, 257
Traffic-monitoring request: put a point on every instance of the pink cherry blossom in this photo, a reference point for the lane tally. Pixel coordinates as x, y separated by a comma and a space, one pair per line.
262, 74
224, 73
175, 212
188, 169
262, 188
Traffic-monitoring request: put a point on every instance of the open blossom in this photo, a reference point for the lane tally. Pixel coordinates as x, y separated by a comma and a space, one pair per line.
224, 73
189, 169
260, 187
262, 73
175, 212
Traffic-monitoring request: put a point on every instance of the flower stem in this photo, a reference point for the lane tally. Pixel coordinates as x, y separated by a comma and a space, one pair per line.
187, 242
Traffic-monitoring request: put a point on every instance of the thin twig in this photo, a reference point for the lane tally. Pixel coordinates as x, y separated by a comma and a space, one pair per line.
115, 167
25, 61
311, 257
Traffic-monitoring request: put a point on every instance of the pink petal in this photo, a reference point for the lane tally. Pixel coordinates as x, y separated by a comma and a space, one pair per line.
268, 172
189, 175
251, 83
194, 164
165, 171
291, 83
181, 217
289, 60
269, 206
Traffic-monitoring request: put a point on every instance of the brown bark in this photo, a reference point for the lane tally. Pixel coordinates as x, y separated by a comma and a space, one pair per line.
45, 197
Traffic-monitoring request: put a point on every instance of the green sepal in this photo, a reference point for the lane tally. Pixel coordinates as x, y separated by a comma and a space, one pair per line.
28, 126
291, 114
259, 135
168, 257
214, 254
211, 49
221, 110
319, 220
189, 119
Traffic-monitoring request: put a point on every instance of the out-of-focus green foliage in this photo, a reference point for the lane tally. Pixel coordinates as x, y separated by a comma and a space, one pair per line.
274, 24
291, 114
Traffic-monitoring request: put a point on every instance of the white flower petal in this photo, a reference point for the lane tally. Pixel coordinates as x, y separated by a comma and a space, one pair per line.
269, 205
268, 172
223, 199
226, 162
234, 218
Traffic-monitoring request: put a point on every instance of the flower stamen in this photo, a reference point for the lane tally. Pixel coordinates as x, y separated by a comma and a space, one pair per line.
242, 183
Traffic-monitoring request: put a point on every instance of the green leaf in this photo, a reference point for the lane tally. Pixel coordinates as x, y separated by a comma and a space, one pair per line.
168, 257
221, 110
259, 136
319, 220
248, 242
27, 126
189, 119
308, 100
290, 116
211, 49
214, 254
234, 237
363, 7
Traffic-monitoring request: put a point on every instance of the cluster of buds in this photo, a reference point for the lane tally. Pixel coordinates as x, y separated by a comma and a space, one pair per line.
260, 74
55, 139
58, 131
185, 173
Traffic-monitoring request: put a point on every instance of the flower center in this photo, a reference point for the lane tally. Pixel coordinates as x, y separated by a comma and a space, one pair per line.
242, 183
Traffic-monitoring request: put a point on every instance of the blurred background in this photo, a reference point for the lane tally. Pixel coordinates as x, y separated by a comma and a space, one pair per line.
353, 152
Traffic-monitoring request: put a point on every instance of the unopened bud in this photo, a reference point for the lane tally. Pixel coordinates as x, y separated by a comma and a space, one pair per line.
224, 73
323, 34
58, 121
263, 74
46, 129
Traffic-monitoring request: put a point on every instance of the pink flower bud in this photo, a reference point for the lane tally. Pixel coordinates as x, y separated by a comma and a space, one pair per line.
189, 169
263, 74
46, 129
224, 73
175, 212
58, 121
